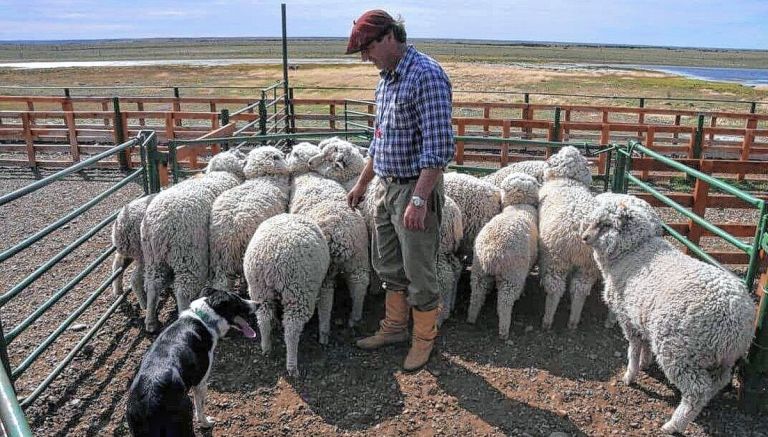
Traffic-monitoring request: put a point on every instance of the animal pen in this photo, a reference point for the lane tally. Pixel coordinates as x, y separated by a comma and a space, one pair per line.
153, 142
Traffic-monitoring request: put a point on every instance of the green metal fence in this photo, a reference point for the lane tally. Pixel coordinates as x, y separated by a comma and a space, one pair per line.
11, 408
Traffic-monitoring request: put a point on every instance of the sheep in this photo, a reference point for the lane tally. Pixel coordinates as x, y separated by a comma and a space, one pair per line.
126, 237
286, 260
479, 202
533, 168
339, 160
174, 233
324, 201
237, 212
298, 158
449, 266
505, 250
695, 318
564, 200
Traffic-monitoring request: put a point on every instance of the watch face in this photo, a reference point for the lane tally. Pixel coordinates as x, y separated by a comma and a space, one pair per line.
417, 201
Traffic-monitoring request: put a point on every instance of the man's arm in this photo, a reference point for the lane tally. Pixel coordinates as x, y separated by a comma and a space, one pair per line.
357, 192
413, 218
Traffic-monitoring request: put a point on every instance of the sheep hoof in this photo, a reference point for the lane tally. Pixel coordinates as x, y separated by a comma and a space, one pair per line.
573, 325
266, 351
206, 422
152, 327
669, 428
504, 337
323, 338
628, 378
293, 372
353, 322
471, 320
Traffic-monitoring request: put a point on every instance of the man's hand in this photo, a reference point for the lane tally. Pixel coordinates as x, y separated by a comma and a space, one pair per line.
413, 219
355, 195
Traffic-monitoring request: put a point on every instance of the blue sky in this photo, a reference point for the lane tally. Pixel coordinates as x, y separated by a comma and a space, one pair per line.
702, 23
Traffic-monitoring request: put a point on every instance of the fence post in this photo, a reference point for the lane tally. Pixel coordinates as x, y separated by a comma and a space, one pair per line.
697, 144
29, 139
224, 116
753, 397
555, 135
152, 166
263, 115
124, 156
176, 104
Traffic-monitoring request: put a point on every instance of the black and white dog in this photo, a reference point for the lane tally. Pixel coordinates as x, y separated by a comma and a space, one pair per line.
180, 359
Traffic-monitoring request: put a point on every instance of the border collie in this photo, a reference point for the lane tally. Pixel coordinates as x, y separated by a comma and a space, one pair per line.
181, 358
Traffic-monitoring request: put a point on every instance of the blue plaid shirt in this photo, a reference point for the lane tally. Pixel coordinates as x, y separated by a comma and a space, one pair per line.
413, 118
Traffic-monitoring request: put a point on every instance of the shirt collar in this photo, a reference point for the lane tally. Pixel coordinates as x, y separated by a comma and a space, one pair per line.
402, 66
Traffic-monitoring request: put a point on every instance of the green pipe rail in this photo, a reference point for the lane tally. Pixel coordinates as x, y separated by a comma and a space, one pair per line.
11, 408
752, 395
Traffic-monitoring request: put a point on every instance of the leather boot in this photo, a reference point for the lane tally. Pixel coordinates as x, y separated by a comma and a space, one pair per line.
424, 333
394, 327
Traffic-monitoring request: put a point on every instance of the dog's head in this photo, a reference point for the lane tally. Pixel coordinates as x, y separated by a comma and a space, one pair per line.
229, 310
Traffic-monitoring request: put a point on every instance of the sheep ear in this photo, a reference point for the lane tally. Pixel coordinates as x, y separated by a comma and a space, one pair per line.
339, 161
315, 160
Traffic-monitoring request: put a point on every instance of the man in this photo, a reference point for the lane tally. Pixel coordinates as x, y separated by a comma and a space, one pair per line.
412, 144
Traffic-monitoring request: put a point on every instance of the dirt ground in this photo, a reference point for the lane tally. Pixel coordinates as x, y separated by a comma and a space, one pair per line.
538, 383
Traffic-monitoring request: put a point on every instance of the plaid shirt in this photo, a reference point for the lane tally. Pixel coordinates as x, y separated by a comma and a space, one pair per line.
413, 118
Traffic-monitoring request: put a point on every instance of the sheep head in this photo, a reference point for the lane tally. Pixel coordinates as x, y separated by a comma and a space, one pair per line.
568, 163
618, 224
265, 161
519, 188
338, 160
299, 157
231, 161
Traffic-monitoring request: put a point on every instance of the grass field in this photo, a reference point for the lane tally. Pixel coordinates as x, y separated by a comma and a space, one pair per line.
480, 70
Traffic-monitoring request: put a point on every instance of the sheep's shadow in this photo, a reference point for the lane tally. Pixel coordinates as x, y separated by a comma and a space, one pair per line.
480, 398
569, 354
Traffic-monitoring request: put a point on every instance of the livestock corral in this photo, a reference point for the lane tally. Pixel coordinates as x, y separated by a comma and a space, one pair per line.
567, 380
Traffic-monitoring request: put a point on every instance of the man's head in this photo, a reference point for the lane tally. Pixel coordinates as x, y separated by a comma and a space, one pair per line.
378, 37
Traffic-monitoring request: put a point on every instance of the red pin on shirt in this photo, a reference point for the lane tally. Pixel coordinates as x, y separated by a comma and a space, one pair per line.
378, 133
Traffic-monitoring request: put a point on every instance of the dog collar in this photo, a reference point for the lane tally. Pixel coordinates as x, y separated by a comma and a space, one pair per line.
206, 319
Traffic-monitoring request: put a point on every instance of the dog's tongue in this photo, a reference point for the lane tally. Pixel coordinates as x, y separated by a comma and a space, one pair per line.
244, 327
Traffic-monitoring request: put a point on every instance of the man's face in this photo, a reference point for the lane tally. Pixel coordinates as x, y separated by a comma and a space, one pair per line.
379, 52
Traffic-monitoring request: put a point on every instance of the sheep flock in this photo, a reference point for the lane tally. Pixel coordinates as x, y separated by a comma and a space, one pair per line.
280, 227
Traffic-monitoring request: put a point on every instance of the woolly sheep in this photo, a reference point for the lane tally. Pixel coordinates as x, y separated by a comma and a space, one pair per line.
339, 160
237, 212
174, 233
478, 200
533, 168
324, 201
564, 200
506, 249
449, 266
299, 156
126, 237
286, 261
695, 318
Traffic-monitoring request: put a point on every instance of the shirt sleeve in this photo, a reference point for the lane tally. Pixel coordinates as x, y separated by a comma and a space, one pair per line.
433, 107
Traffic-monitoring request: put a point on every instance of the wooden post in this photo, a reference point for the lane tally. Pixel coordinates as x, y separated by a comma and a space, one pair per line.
74, 151
700, 200
567, 131
460, 144
649, 139
641, 118
712, 124
105, 108
505, 146
176, 104
332, 118
486, 116
749, 139
677, 123
605, 139
170, 132
370, 119
140, 108
28, 139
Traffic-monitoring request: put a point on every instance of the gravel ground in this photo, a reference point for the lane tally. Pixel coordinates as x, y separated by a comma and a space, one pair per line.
537, 384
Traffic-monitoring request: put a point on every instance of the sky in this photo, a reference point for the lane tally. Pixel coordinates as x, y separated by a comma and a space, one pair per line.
686, 23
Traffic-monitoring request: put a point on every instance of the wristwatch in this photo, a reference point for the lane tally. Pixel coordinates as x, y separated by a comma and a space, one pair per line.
417, 201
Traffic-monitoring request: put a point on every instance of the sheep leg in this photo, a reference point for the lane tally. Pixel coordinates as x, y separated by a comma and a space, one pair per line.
457, 268
610, 319
154, 285
447, 287
697, 387
509, 291
264, 316
292, 328
633, 358
117, 283
481, 284
357, 283
186, 287
580, 287
554, 286
646, 356
137, 284
324, 309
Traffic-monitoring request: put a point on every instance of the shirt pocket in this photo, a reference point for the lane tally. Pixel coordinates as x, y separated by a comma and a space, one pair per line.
404, 114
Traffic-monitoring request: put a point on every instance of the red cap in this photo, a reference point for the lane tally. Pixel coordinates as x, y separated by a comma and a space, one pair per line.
370, 26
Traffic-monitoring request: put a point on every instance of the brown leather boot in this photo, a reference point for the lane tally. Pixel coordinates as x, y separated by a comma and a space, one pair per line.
424, 333
394, 327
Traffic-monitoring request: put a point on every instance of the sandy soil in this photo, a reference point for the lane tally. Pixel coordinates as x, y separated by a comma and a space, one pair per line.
536, 384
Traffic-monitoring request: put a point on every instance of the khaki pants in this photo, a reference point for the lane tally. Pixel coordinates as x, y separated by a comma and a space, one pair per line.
405, 259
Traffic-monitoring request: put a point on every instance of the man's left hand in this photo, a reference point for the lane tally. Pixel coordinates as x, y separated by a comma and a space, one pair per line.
413, 219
